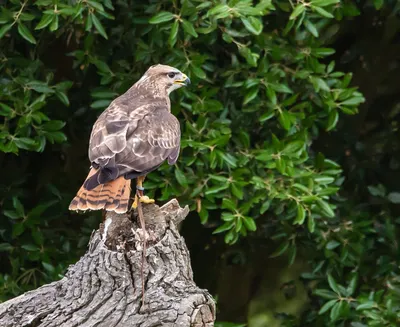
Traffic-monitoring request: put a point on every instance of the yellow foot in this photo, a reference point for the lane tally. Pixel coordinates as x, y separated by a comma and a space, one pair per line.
146, 199
142, 199
135, 202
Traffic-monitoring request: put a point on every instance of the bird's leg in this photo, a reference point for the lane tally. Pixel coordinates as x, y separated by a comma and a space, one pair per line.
139, 196
143, 198
137, 204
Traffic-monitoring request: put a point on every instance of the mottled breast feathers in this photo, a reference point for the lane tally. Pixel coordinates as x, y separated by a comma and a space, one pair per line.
135, 141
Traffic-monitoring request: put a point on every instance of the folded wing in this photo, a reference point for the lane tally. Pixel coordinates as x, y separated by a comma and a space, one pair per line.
155, 139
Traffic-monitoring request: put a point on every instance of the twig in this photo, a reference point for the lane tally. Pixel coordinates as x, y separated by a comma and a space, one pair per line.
142, 225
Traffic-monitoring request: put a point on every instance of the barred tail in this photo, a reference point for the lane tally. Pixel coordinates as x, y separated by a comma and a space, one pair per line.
111, 196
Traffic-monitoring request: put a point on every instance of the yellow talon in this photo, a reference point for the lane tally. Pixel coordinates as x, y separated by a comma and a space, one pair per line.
142, 199
135, 202
146, 199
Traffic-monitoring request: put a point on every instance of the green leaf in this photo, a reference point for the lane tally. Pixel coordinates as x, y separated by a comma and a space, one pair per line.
249, 223
265, 206
265, 155
46, 20
323, 12
4, 247
324, 3
252, 24
323, 180
293, 147
327, 306
335, 312
281, 249
100, 104
333, 284
180, 177
30, 247
24, 143
326, 294
48, 267
311, 224
237, 191
271, 94
301, 187
89, 23
355, 101
352, 285
394, 197
25, 33
57, 137
378, 4
18, 206
250, 57
189, 28
5, 110
226, 226
228, 204
53, 125
173, 34
18, 229
320, 84
96, 5
332, 245
219, 9
103, 94
378, 190
40, 87
12, 214
325, 207
161, 17
301, 215
251, 95
266, 116
284, 119
333, 118
4, 29
63, 97
282, 88
99, 26
297, 11
200, 73
366, 305
311, 28
216, 189
54, 24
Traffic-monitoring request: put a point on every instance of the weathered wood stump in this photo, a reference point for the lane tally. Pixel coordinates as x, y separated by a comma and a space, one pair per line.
104, 288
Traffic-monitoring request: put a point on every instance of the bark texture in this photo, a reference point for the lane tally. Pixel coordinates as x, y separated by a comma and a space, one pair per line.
104, 288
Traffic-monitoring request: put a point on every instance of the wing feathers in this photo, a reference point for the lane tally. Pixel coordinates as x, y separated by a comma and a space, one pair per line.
138, 140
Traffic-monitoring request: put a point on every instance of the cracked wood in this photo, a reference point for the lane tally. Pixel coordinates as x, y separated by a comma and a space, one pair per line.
104, 287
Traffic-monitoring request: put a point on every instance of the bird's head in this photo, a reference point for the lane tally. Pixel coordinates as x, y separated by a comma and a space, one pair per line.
165, 78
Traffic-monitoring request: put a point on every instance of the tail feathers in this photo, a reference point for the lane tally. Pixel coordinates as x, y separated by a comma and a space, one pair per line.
100, 176
111, 196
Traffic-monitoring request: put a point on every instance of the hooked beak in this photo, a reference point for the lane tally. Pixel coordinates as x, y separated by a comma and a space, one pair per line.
184, 81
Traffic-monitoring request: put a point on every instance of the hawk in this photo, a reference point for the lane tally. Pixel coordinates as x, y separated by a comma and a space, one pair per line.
131, 138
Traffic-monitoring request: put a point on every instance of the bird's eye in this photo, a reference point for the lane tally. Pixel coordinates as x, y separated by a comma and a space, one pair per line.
171, 75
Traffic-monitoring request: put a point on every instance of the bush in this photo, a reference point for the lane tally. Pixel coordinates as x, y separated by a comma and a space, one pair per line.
264, 89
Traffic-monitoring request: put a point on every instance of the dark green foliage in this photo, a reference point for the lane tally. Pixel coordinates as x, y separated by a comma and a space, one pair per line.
265, 89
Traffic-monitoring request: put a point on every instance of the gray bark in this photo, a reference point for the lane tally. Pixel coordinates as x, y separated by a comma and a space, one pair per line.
104, 288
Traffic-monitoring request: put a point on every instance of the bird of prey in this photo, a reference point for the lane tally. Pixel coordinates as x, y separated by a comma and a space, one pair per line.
131, 138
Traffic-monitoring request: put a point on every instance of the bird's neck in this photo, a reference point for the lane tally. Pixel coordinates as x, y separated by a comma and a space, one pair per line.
149, 89
146, 92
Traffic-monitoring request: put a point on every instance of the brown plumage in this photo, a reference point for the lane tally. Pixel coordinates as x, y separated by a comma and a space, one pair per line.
111, 196
131, 138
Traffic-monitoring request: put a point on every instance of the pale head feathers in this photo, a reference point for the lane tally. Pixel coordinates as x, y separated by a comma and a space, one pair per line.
161, 80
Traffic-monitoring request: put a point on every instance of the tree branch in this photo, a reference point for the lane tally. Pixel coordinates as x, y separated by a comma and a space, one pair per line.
104, 287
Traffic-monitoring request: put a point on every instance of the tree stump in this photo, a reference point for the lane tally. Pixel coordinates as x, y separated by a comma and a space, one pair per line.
104, 288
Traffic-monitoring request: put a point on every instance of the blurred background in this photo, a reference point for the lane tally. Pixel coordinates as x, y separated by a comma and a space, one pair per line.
290, 158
